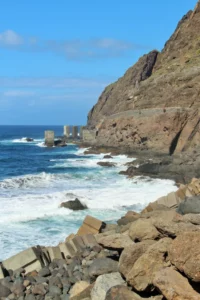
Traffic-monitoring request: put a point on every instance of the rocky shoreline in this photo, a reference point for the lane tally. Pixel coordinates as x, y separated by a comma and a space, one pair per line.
149, 255
180, 167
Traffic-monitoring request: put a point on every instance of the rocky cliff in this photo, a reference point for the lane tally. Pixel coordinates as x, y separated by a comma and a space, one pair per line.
155, 105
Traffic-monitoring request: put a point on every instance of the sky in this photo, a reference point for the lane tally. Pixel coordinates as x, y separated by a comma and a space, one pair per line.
56, 57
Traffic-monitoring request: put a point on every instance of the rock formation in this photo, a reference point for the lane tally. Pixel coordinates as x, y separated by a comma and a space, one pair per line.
155, 105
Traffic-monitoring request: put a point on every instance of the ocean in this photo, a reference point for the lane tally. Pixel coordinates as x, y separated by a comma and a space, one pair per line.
35, 180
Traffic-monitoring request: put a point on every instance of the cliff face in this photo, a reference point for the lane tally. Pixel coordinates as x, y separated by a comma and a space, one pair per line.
155, 105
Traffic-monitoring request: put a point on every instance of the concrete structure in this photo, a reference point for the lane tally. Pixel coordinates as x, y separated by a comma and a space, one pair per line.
74, 132
67, 131
90, 226
89, 136
28, 259
49, 138
54, 253
81, 131
1, 272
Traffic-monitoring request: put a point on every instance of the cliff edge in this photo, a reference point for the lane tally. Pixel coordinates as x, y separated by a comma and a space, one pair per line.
155, 105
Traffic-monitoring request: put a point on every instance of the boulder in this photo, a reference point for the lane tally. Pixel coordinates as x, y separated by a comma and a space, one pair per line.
140, 276
78, 288
192, 218
189, 205
106, 164
107, 156
104, 283
84, 294
29, 139
74, 205
184, 253
115, 241
143, 230
121, 292
4, 291
102, 266
131, 254
174, 286
130, 217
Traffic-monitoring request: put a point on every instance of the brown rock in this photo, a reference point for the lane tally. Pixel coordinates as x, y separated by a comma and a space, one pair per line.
130, 216
39, 289
143, 230
172, 114
115, 241
131, 254
78, 288
192, 218
184, 253
121, 292
141, 275
174, 286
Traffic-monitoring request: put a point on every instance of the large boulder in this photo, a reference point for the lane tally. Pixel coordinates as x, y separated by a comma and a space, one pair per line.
74, 205
121, 292
104, 283
189, 206
4, 291
174, 286
131, 254
192, 218
140, 276
102, 266
184, 253
115, 241
129, 217
78, 288
143, 230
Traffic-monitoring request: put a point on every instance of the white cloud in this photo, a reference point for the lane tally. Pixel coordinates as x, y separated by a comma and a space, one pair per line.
18, 93
10, 38
72, 49
52, 82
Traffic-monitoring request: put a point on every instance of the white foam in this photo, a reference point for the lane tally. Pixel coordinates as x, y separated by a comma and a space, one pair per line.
30, 212
26, 181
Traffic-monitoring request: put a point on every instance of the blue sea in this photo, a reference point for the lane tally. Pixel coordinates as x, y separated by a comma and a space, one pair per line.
35, 180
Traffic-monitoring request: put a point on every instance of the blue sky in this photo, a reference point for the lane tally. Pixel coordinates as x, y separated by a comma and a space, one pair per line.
57, 56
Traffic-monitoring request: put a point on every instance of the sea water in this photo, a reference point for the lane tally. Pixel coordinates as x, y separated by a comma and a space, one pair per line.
35, 180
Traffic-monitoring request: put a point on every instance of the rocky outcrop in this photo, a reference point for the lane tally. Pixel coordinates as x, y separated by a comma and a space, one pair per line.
155, 105
74, 205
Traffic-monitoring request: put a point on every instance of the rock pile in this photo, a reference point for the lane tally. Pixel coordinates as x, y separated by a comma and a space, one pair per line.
152, 255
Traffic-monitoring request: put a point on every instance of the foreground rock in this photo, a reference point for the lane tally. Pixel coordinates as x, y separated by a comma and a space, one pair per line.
141, 275
131, 254
174, 286
74, 205
184, 253
115, 241
143, 230
104, 283
189, 206
121, 292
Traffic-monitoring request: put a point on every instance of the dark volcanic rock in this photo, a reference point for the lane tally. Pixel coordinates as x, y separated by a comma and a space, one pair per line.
107, 156
74, 205
102, 266
106, 164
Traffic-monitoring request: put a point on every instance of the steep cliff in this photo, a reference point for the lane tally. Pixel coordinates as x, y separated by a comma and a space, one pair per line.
155, 105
